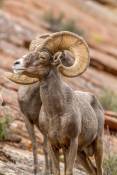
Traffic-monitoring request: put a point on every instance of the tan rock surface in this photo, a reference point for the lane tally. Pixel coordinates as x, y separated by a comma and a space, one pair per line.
20, 21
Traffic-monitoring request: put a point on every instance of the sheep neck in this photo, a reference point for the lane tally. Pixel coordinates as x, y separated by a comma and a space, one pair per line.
52, 96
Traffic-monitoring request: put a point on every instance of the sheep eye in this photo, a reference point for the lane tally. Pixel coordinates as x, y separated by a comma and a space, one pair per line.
42, 58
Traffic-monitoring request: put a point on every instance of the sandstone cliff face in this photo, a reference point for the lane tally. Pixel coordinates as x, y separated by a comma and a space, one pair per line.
21, 21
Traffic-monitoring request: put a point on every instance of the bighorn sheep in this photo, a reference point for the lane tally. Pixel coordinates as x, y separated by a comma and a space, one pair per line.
30, 104
73, 120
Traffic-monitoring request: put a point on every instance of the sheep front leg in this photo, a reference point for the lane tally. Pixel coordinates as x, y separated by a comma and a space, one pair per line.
45, 150
72, 153
54, 155
30, 128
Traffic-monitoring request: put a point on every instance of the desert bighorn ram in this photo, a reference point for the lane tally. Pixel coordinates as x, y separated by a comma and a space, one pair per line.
73, 120
30, 103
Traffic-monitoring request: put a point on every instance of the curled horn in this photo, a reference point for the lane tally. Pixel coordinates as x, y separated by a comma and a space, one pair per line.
20, 79
75, 44
23, 79
37, 42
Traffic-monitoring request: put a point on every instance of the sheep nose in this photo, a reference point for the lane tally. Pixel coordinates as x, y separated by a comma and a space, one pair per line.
16, 63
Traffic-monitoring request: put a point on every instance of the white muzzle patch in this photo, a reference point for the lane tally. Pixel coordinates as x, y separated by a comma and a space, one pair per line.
18, 65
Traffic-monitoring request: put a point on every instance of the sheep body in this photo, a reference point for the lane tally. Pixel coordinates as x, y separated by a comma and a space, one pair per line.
30, 104
77, 113
73, 120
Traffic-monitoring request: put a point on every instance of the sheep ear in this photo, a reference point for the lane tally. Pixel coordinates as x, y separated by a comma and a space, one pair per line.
21, 79
57, 58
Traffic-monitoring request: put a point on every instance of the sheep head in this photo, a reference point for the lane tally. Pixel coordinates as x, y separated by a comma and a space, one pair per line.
34, 64
21, 78
38, 62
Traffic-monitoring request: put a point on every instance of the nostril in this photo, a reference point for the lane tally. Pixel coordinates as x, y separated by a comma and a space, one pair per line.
17, 62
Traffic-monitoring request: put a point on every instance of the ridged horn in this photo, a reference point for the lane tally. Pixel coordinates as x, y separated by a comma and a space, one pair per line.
23, 79
37, 42
20, 79
69, 41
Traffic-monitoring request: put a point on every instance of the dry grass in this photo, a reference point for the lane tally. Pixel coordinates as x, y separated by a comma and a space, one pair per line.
110, 157
4, 125
108, 99
110, 165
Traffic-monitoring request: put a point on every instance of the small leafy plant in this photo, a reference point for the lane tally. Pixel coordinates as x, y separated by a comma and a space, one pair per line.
4, 125
108, 99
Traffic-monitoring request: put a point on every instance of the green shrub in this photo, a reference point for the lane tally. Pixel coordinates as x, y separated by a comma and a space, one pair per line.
58, 23
70, 25
4, 125
53, 21
110, 165
108, 99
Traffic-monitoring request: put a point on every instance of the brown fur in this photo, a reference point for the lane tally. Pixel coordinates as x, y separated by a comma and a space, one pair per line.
30, 105
73, 120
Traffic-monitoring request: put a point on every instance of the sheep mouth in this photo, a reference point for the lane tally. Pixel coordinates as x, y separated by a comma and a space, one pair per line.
18, 71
